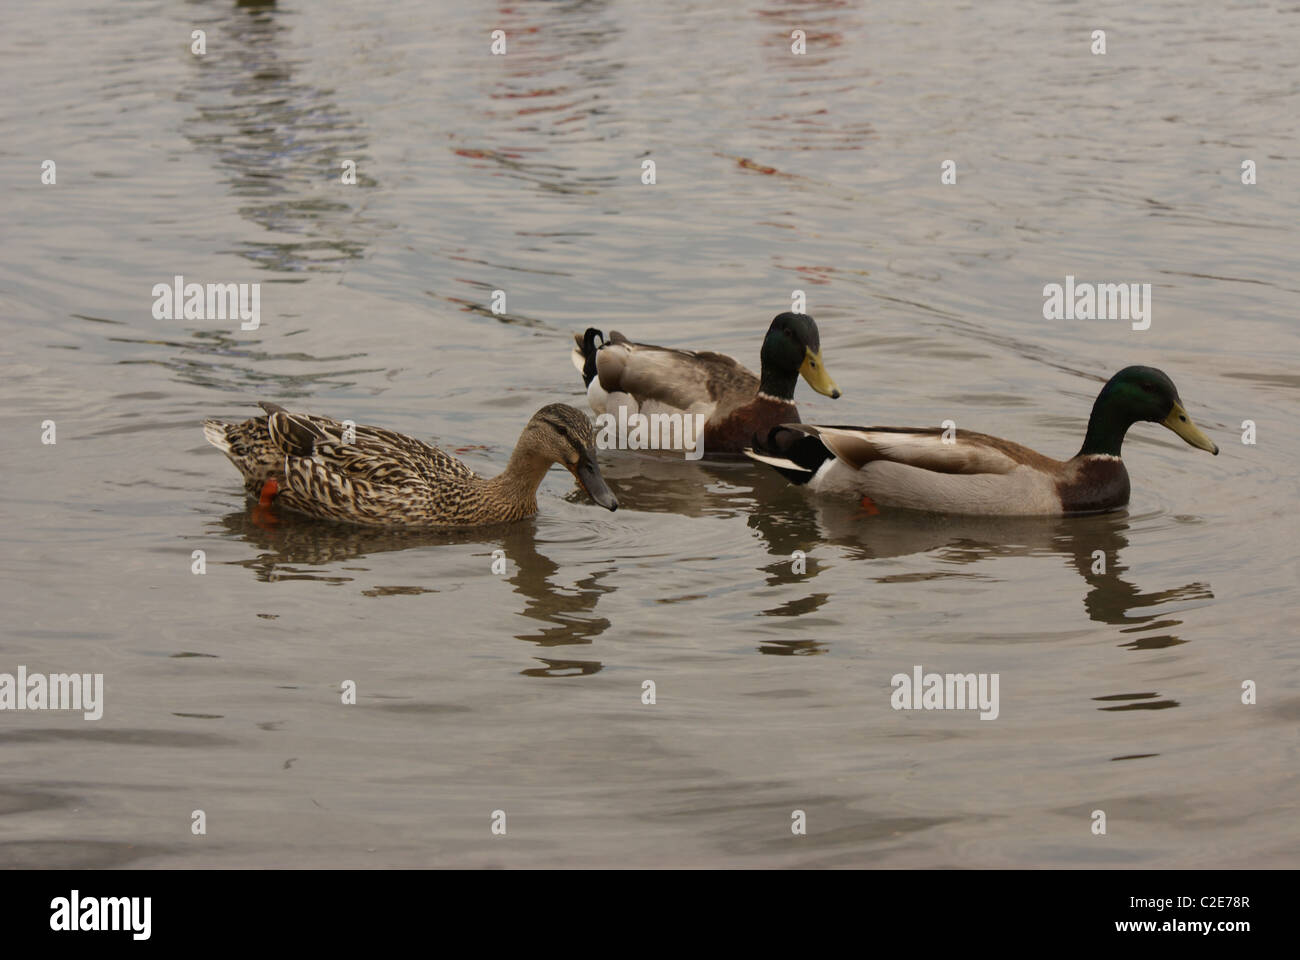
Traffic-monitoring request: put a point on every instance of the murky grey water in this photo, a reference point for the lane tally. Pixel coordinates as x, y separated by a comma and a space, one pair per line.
1120, 691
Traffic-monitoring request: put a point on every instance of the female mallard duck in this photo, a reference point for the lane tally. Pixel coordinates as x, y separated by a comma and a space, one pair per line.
367, 475
972, 473
736, 404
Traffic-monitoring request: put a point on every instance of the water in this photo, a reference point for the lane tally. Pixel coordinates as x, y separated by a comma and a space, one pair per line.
1120, 691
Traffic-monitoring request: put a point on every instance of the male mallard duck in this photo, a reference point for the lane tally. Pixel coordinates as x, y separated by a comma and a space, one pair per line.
736, 404
367, 475
977, 474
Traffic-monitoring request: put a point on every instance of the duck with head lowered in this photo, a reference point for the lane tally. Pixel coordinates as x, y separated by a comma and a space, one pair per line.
957, 471
735, 403
367, 475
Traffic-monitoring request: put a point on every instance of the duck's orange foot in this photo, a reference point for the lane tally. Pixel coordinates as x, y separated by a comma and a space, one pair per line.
870, 507
263, 515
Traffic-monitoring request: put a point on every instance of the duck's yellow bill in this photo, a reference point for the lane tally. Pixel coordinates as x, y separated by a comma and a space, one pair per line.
815, 373
1180, 423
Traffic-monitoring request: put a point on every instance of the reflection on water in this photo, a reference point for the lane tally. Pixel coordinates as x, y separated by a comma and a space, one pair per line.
279, 143
818, 172
790, 525
219, 360
793, 648
568, 612
1091, 546
289, 541
292, 546
562, 668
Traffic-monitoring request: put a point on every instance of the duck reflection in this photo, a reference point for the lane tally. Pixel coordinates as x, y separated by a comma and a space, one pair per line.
290, 543
669, 483
793, 648
1091, 545
291, 547
566, 613
791, 524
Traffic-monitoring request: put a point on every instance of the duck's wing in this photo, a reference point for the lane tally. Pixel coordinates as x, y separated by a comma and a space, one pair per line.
672, 378
362, 451
358, 490
360, 474
929, 448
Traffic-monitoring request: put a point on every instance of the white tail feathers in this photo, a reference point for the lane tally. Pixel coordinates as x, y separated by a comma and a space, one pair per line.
215, 432
780, 462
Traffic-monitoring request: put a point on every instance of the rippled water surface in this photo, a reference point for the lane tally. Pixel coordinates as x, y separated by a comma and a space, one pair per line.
1120, 688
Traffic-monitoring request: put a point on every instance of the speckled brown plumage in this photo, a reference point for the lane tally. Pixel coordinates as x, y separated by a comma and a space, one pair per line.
382, 478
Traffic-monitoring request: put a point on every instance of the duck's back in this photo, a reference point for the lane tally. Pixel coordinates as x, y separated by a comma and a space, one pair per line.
354, 474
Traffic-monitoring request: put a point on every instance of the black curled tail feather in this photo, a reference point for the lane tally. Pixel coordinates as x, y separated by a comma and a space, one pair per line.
795, 455
589, 348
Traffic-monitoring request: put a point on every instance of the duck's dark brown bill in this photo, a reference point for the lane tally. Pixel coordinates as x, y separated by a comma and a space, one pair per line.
588, 475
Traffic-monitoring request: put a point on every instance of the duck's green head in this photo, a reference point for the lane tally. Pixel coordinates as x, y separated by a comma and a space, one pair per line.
793, 348
1139, 393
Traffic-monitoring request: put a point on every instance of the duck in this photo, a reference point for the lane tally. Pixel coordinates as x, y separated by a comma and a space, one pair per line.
961, 472
374, 477
736, 404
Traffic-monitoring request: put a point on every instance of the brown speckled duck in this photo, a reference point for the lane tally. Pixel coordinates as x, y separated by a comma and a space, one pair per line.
661, 380
371, 476
972, 473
